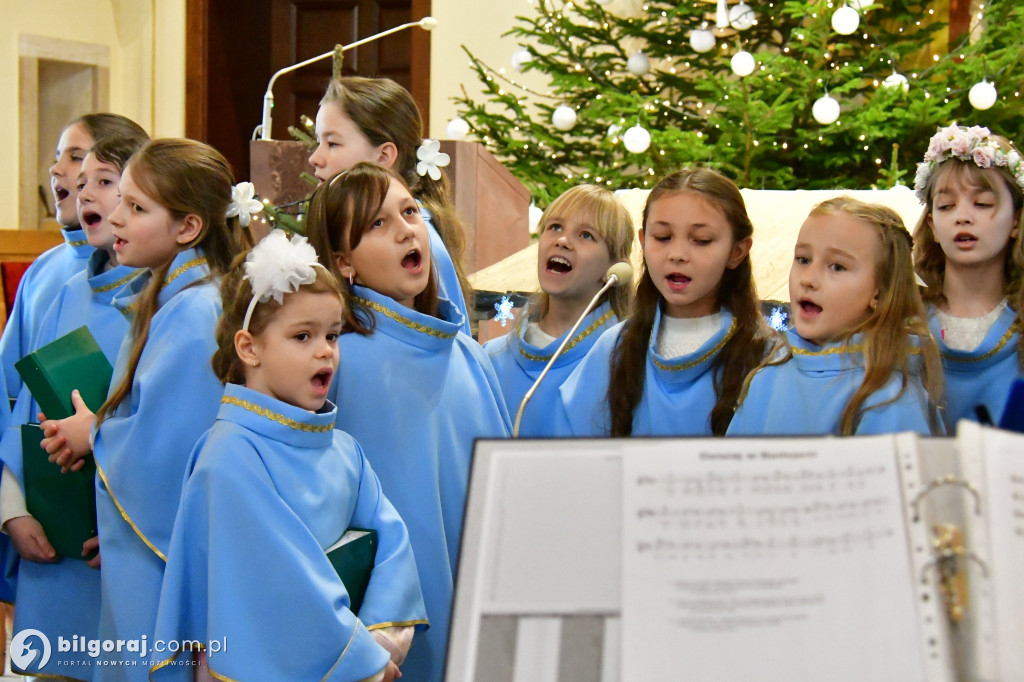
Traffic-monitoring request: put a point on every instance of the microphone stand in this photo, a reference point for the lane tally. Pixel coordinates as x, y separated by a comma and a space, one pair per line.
610, 282
263, 129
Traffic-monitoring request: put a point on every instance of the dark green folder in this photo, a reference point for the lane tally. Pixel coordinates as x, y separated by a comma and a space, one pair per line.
64, 504
54, 370
353, 557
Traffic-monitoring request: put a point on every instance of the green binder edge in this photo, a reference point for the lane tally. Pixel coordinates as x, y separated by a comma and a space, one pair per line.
63, 504
354, 562
73, 361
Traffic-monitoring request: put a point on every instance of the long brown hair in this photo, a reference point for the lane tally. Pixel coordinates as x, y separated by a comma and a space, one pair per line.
235, 294
341, 211
744, 350
930, 260
385, 112
897, 321
186, 178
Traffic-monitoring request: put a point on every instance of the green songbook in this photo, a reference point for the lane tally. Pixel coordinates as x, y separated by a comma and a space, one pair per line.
353, 557
54, 370
63, 504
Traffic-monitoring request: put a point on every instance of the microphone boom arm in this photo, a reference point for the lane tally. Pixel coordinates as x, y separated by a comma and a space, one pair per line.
613, 280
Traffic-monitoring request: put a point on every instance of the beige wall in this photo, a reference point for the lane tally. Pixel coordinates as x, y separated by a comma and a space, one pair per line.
146, 66
479, 24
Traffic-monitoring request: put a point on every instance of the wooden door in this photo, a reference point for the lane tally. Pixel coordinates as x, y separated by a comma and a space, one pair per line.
231, 57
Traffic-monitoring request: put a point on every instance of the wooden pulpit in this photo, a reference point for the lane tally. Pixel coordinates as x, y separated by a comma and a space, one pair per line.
492, 204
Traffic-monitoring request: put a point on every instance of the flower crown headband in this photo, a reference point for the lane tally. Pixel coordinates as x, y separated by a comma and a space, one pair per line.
278, 266
975, 144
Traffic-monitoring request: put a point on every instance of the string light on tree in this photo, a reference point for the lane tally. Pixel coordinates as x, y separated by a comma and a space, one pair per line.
845, 20
982, 95
457, 128
638, 63
702, 40
520, 58
564, 118
742, 17
825, 110
637, 139
743, 63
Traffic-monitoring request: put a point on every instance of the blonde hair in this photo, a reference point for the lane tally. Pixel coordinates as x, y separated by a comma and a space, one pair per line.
898, 316
341, 211
930, 260
186, 178
236, 293
611, 220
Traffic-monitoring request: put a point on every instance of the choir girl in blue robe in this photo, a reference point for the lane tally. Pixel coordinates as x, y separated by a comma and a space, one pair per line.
676, 366
860, 360
271, 486
52, 269
412, 388
582, 233
969, 251
376, 120
175, 197
61, 595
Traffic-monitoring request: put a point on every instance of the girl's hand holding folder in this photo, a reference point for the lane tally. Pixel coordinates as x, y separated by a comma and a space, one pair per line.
69, 440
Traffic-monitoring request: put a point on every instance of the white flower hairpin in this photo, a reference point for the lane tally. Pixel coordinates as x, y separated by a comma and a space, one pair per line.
431, 159
278, 266
244, 203
975, 144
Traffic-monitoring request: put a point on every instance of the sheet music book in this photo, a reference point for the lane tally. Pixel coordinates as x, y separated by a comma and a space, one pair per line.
739, 559
777, 560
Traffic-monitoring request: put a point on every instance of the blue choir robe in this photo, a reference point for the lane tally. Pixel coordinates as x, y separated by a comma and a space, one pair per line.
64, 597
518, 364
143, 447
446, 277
414, 394
806, 395
678, 396
36, 291
268, 489
982, 376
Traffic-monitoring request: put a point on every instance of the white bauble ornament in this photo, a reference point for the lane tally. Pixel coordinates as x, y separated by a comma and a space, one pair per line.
845, 20
825, 110
636, 139
614, 129
457, 128
982, 95
638, 63
897, 80
741, 16
564, 118
702, 41
743, 63
859, 5
521, 58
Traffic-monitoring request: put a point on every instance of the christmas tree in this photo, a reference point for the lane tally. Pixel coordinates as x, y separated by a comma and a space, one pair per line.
777, 95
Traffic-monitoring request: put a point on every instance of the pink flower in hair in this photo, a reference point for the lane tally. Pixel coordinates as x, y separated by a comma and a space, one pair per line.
962, 143
983, 156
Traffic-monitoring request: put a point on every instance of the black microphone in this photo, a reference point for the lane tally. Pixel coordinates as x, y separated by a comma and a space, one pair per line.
618, 274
